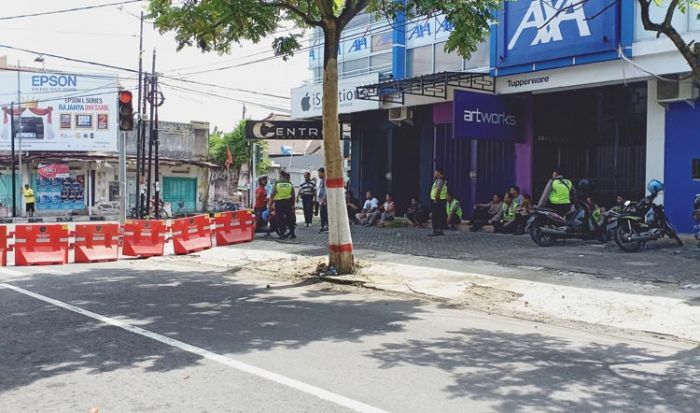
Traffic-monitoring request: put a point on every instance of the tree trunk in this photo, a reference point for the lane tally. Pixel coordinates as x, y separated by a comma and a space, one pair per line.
339, 238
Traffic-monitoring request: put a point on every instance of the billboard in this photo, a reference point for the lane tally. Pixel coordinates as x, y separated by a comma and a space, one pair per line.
59, 111
542, 34
307, 101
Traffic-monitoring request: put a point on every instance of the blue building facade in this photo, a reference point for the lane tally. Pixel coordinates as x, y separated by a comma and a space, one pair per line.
583, 87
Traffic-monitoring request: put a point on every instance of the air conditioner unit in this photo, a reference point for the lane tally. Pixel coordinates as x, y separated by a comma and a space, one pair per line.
676, 91
402, 114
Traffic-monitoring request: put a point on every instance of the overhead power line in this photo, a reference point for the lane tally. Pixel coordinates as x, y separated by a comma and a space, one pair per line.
45, 13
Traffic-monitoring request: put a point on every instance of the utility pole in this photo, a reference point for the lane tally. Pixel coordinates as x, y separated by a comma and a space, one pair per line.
19, 119
14, 172
139, 128
156, 178
151, 115
123, 195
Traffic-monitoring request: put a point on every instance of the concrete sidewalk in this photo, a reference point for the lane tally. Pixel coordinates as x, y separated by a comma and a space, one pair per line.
556, 296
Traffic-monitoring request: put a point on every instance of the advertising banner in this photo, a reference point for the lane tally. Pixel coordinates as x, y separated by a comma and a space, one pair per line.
492, 117
60, 112
307, 101
59, 193
538, 31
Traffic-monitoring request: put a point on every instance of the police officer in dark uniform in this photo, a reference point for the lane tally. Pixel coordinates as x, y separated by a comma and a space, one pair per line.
283, 198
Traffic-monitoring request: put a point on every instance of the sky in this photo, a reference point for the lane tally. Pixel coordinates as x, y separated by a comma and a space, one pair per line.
110, 36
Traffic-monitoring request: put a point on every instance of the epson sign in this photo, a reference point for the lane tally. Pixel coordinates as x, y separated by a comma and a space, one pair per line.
54, 81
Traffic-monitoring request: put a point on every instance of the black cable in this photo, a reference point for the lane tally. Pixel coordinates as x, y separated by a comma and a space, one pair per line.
45, 13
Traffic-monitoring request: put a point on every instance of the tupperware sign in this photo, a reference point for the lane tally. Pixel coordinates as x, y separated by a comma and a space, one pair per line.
60, 112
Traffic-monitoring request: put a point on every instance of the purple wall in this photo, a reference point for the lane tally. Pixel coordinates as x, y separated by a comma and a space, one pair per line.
442, 113
523, 153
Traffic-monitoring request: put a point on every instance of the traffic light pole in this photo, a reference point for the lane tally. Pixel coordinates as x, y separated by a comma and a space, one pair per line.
14, 173
156, 143
123, 194
139, 129
151, 113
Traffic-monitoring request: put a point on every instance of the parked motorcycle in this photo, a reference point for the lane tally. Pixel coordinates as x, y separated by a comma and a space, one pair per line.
644, 221
696, 217
546, 226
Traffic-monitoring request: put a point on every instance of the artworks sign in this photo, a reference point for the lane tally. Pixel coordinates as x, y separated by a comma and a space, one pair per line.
59, 112
535, 31
492, 117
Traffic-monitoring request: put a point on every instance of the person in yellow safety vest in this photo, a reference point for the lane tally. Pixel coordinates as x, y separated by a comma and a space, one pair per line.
505, 222
438, 198
283, 198
557, 194
454, 211
29, 200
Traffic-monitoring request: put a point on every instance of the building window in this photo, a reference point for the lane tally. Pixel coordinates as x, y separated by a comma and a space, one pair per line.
382, 41
447, 62
355, 67
362, 19
419, 61
380, 62
696, 168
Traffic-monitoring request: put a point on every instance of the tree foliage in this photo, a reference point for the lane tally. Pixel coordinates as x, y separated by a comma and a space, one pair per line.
240, 149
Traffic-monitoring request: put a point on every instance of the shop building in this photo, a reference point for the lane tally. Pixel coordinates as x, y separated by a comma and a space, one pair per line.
589, 91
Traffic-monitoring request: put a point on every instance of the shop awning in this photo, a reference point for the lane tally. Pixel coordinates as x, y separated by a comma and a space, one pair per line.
434, 85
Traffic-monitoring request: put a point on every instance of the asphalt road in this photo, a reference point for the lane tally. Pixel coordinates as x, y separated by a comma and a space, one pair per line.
163, 336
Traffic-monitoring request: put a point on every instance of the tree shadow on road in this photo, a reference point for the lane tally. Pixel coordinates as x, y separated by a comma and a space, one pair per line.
535, 372
215, 311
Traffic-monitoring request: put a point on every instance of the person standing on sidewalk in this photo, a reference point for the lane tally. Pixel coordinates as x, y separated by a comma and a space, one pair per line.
307, 193
283, 198
29, 200
321, 199
260, 205
438, 197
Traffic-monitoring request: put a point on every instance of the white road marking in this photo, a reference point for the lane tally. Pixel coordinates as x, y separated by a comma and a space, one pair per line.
227, 361
10, 271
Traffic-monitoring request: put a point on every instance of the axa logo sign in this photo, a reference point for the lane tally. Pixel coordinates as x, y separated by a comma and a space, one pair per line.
358, 45
544, 20
493, 118
420, 30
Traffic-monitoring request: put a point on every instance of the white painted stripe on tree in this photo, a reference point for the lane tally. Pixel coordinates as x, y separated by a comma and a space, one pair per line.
227, 361
338, 218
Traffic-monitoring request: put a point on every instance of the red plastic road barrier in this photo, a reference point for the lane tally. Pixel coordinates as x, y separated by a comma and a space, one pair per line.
191, 234
234, 227
3, 245
144, 238
41, 244
96, 242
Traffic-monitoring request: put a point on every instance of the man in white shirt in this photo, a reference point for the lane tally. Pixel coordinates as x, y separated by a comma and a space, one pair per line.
371, 205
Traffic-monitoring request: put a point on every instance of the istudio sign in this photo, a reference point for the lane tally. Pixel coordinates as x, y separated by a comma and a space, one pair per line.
288, 130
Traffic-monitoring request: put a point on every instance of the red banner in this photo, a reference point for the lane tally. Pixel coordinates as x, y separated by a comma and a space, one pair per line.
54, 171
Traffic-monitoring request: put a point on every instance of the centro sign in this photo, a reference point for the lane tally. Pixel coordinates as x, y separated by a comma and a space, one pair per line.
532, 35
488, 117
306, 130
307, 101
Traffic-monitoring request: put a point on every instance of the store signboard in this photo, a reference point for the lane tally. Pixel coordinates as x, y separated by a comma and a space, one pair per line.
307, 101
538, 34
60, 112
491, 117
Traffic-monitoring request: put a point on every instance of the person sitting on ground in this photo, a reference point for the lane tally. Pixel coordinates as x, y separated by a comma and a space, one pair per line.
353, 207
504, 222
370, 206
522, 213
388, 211
416, 214
619, 204
515, 192
597, 212
454, 211
484, 212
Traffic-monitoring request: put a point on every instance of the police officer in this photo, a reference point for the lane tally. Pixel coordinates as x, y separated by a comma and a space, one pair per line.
283, 198
438, 197
557, 194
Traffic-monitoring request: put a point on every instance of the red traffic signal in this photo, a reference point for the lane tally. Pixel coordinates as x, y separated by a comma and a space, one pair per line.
126, 111
125, 97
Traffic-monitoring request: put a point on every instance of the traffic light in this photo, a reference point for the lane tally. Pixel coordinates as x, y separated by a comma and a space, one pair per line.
126, 111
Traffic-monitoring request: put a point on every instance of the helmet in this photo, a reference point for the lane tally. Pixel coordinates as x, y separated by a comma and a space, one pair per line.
585, 185
696, 203
265, 215
654, 186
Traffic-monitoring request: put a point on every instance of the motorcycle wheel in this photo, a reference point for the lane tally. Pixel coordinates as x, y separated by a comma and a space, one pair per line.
541, 239
623, 231
671, 232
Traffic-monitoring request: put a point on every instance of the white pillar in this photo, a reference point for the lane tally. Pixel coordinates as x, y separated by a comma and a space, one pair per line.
656, 137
